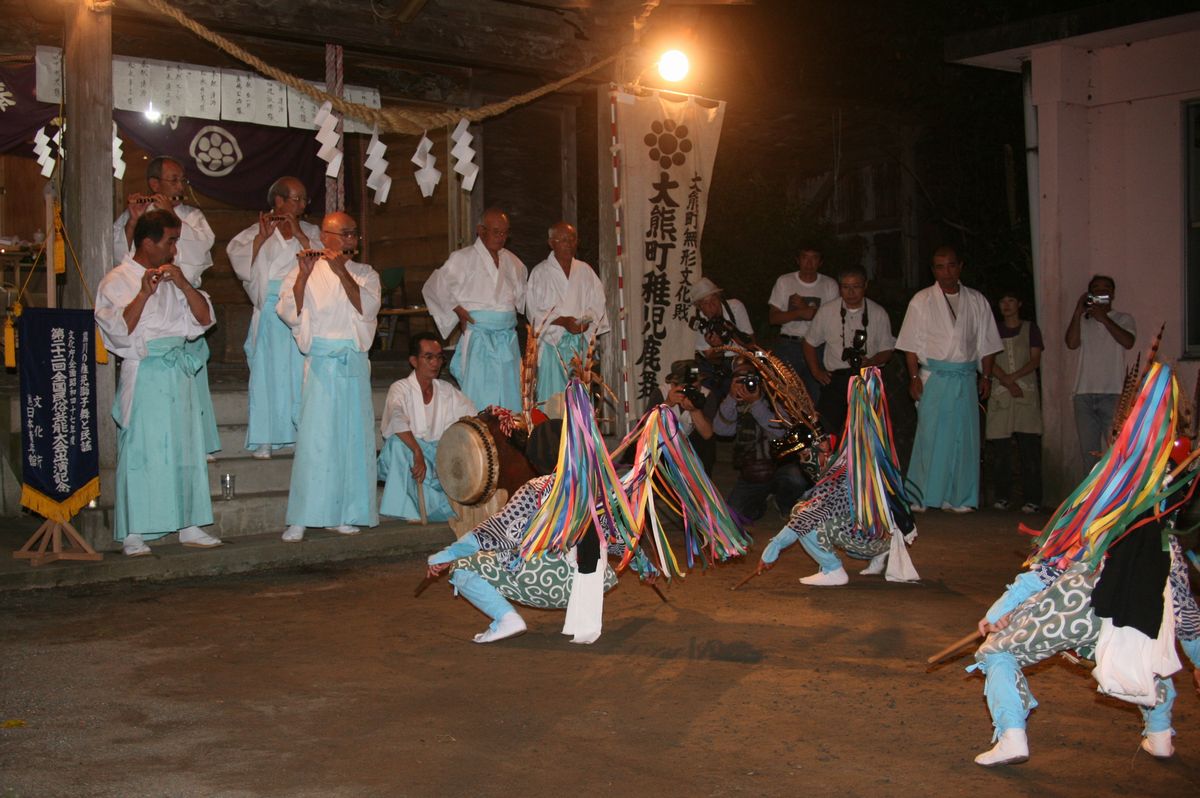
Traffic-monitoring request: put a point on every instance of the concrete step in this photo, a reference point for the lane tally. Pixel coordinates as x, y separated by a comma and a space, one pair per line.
232, 403
257, 552
233, 443
247, 514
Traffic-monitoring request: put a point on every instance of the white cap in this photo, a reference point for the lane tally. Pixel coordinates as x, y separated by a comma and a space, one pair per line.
704, 287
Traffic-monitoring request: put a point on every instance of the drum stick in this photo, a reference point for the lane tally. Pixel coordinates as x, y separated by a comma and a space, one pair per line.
953, 647
744, 581
421, 504
426, 582
654, 587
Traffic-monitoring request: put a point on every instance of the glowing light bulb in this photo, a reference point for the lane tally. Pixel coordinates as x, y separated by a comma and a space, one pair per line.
151, 113
673, 65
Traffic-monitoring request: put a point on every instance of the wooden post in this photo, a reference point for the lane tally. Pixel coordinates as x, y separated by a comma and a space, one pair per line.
569, 167
335, 187
606, 268
87, 190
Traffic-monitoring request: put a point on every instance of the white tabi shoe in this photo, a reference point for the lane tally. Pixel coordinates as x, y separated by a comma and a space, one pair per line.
262, 452
510, 625
293, 534
962, 508
876, 566
344, 529
1158, 744
831, 579
917, 507
196, 538
1011, 749
134, 546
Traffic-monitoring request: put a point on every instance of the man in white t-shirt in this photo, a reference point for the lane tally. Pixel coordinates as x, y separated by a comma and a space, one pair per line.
854, 328
1102, 334
795, 300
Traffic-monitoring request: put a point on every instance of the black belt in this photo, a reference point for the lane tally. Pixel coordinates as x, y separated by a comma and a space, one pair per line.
792, 337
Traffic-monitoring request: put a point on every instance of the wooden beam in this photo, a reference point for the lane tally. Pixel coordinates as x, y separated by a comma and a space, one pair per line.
87, 189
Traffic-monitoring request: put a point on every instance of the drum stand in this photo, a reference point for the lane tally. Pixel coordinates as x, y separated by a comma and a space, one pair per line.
50, 536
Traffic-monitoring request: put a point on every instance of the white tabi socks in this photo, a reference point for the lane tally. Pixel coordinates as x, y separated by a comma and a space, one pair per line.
831, 579
1158, 744
876, 566
196, 538
510, 624
1011, 749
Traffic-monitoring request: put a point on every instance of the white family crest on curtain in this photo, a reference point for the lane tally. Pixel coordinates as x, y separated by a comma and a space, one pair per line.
667, 144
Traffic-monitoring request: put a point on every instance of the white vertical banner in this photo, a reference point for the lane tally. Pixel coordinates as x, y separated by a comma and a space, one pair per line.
667, 144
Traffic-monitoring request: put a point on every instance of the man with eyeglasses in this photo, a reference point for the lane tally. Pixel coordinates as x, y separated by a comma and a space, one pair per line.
418, 410
331, 303
481, 289
565, 303
164, 177
262, 256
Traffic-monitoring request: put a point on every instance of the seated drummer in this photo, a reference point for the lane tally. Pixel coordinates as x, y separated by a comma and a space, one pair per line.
489, 574
419, 408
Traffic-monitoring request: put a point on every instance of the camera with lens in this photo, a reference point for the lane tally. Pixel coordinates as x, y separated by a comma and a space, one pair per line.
686, 374
751, 382
1097, 299
854, 354
720, 327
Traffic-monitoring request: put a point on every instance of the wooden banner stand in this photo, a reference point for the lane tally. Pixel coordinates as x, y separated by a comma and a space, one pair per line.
48, 541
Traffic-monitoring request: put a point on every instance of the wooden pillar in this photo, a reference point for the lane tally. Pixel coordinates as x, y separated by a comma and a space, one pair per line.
570, 180
606, 268
335, 187
87, 188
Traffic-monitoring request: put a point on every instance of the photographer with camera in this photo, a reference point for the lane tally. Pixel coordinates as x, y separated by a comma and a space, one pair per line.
746, 415
856, 333
685, 396
1102, 334
718, 321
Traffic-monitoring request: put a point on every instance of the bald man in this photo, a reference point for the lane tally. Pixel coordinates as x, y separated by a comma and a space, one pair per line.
262, 256
481, 289
565, 303
331, 304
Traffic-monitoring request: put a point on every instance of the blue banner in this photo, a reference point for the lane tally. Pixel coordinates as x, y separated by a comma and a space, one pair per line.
60, 465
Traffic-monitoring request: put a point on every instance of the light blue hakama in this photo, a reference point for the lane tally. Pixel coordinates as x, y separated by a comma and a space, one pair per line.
333, 474
944, 468
199, 350
400, 489
553, 361
276, 377
162, 479
491, 372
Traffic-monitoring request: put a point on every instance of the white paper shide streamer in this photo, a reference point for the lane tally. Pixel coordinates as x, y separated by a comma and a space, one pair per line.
377, 178
427, 175
45, 155
464, 155
118, 156
331, 141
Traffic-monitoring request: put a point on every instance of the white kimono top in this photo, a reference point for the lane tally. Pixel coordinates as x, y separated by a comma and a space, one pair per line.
165, 314
550, 294
194, 250
824, 288
327, 311
470, 278
406, 411
932, 332
276, 260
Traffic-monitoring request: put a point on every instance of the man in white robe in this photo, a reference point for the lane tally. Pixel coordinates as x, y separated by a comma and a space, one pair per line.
481, 288
167, 184
146, 309
419, 408
331, 304
948, 335
565, 303
262, 256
